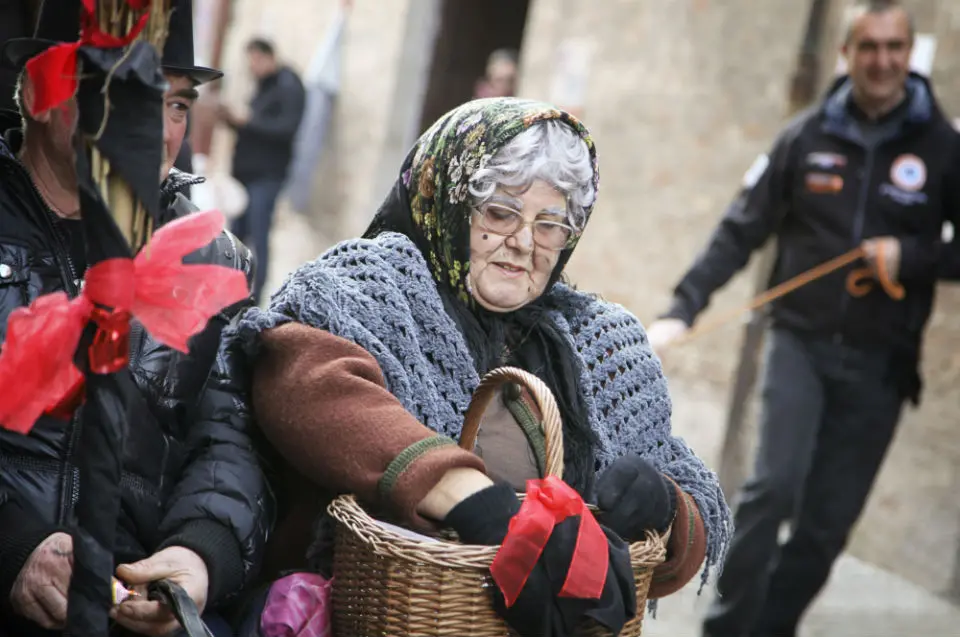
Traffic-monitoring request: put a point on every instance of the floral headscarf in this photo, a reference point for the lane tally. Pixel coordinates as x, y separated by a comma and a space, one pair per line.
437, 172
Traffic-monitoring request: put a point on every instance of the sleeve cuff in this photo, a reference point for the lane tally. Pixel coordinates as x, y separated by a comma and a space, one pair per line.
686, 549
679, 310
416, 470
917, 258
219, 549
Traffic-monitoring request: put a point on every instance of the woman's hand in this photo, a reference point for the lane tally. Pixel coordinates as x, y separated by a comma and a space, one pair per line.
634, 498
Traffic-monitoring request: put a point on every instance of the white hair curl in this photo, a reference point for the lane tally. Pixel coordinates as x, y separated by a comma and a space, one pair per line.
550, 151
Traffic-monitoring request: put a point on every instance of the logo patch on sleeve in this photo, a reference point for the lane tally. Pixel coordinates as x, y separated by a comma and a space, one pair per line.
824, 183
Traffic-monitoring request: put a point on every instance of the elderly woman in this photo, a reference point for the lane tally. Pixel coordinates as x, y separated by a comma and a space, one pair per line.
367, 358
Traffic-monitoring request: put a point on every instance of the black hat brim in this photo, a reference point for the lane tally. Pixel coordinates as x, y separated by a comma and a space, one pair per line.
15, 52
199, 74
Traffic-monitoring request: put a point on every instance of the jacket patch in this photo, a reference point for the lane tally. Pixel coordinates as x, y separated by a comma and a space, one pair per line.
908, 172
824, 183
826, 161
908, 176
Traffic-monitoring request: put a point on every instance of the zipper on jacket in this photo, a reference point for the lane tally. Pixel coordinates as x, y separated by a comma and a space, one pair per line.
136, 343
859, 220
69, 488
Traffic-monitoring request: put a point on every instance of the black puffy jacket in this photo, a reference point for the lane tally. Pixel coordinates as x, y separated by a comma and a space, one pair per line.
190, 474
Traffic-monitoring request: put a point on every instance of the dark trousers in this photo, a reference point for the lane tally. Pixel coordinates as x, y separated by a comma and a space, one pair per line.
829, 412
253, 226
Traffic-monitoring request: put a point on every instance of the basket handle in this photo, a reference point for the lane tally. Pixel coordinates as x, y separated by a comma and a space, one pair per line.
552, 426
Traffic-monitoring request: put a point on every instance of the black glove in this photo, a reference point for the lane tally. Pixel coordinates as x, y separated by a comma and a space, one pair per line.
634, 497
483, 518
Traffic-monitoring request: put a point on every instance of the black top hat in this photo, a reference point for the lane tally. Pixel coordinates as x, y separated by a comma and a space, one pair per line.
178, 49
59, 22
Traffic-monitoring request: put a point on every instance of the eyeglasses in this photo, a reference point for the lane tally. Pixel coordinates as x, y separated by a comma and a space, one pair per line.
505, 222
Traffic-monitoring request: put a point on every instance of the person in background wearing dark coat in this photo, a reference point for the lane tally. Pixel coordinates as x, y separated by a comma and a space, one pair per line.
195, 507
264, 147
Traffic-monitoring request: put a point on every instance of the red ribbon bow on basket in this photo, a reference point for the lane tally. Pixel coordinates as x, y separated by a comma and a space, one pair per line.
54, 72
548, 503
171, 299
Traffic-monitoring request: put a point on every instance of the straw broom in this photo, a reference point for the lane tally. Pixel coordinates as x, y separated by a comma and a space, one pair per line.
117, 17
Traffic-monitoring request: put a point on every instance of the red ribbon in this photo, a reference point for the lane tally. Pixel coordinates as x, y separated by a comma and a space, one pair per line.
549, 502
53, 72
171, 299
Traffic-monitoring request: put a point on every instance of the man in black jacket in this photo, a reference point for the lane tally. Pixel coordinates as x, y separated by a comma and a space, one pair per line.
194, 502
264, 148
876, 166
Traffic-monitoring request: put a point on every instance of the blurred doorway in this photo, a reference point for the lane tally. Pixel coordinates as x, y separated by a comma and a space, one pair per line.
468, 31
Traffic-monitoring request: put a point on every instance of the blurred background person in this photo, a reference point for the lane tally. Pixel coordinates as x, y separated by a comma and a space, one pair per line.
264, 148
500, 79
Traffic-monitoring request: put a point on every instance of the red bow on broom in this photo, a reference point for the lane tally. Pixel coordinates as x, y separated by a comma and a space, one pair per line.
549, 502
171, 299
54, 72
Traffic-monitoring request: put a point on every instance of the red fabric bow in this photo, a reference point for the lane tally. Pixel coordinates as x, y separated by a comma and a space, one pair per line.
172, 300
549, 502
53, 73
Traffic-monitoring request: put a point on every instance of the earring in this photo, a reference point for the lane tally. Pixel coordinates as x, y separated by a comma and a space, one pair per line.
485, 237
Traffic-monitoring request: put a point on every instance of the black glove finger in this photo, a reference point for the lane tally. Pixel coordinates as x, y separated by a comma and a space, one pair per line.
616, 481
647, 503
636, 503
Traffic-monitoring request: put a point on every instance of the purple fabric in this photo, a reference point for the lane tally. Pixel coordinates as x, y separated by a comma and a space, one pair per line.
298, 606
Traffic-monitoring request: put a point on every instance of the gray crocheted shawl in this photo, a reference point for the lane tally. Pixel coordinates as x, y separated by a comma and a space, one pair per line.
380, 295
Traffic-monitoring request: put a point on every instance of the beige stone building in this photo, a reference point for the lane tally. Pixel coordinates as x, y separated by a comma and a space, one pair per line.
681, 96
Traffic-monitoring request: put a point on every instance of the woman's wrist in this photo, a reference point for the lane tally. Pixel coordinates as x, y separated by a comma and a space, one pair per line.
484, 517
455, 486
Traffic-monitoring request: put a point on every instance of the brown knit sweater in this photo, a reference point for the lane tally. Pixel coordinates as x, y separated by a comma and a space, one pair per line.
321, 402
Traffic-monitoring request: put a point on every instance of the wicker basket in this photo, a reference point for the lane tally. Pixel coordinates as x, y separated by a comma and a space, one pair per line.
388, 584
